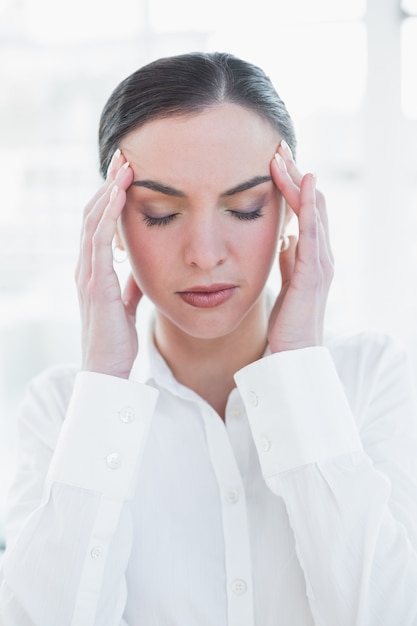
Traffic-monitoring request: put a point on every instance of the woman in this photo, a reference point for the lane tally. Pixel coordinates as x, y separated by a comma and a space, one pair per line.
213, 462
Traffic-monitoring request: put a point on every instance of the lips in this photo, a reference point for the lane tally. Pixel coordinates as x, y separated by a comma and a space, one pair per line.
208, 295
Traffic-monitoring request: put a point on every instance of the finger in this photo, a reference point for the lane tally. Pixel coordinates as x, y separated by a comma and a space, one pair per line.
117, 161
84, 264
90, 223
324, 218
102, 239
131, 295
308, 222
283, 180
314, 243
326, 253
320, 200
285, 152
93, 214
105, 215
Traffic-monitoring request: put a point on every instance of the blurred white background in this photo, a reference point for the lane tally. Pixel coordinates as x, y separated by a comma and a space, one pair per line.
346, 69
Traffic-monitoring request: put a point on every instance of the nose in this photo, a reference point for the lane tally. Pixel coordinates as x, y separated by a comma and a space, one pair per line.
205, 245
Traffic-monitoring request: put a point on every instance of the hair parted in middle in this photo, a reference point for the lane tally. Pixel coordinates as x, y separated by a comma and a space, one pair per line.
184, 85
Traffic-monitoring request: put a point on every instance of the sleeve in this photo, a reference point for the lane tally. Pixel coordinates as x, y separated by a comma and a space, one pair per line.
69, 528
350, 492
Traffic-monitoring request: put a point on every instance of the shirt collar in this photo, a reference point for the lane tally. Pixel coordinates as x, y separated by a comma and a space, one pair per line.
150, 367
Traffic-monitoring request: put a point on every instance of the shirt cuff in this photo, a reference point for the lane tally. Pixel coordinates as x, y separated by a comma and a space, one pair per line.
103, 435
297, 409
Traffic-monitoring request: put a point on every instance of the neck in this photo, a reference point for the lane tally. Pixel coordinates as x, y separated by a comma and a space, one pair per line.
207, 366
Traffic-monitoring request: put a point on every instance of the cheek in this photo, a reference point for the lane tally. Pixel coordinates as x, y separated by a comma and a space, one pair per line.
269, 247
144, 252
263, 243
255, 251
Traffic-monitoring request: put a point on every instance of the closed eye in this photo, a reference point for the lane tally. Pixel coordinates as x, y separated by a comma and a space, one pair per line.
166, 219
251, 215
159, 221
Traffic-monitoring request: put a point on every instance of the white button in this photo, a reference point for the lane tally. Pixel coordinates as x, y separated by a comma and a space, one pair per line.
126, 415
232, 496
96, 552
113, 460
266, 443
239, 586
235, 412
253, 399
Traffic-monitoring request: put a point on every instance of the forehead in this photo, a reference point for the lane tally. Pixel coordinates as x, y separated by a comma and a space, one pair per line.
224, 144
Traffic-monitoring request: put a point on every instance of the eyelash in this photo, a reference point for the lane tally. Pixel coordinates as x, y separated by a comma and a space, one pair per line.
159, 221
163, 221
253, 215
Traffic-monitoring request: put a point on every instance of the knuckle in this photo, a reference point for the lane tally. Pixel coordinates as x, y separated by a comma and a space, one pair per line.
97, 239
90, 222
92, 289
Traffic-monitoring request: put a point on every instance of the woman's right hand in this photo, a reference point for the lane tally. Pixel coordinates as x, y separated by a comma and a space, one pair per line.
109, 338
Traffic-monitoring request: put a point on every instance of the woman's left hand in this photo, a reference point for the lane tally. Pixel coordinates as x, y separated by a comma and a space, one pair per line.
306, 266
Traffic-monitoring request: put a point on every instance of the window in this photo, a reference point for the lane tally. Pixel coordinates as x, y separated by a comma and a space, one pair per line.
346, 69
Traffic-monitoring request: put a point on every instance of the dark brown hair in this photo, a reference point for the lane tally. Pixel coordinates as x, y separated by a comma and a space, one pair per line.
187, 84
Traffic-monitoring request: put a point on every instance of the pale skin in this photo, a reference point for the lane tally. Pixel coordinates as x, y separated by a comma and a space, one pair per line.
203, 202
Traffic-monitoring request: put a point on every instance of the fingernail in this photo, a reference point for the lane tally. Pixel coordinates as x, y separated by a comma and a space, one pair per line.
113, 160
281, 163
122, 169
286, 149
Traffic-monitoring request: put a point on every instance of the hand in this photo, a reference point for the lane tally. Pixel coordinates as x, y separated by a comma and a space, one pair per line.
297, 318
109, 338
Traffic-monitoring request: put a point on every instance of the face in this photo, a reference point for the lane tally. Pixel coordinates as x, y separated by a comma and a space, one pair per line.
202, 217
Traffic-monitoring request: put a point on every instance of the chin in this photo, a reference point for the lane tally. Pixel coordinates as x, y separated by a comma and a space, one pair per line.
209, 323
206, 324
207, 329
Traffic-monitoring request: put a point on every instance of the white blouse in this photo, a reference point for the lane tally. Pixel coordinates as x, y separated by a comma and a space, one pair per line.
134, 503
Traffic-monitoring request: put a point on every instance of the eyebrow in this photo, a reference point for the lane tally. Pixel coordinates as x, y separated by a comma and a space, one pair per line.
154, 185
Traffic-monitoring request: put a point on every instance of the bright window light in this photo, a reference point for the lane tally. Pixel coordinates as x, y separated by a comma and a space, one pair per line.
409, 67
313, 66
409, 6
48, 21
183, 15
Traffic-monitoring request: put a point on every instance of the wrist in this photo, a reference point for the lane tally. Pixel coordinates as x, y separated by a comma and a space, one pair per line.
300, 344
107, 369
